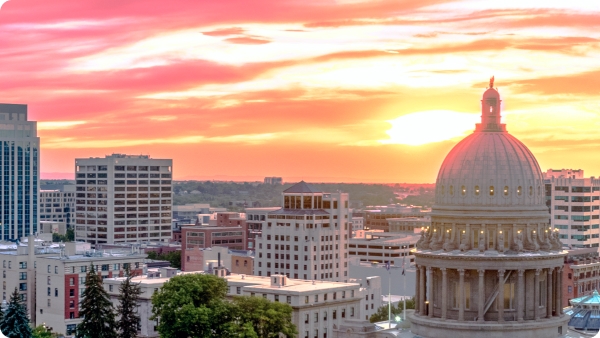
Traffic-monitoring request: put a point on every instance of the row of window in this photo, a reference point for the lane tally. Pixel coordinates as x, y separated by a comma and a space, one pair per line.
491, 190
119, 168
129, 175
323, 275
576, 189
579, 199
122, 182
93, 188
122, 202
577, 218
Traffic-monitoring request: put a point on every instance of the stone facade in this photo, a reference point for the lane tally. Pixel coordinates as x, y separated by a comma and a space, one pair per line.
489, 265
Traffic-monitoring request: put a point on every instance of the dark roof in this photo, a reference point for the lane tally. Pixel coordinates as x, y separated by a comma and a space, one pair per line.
299, 212
301, 187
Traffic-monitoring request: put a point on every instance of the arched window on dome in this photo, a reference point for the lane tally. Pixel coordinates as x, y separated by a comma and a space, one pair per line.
539, 190
463, 190
519, 191
530, 191
476, 190
505, 190
451, 192
491, 190
443, 190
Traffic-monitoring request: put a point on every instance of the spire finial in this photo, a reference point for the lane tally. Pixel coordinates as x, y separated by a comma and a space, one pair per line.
492, 82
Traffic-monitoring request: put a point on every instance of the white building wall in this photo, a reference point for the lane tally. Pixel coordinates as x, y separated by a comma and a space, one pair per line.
123, 198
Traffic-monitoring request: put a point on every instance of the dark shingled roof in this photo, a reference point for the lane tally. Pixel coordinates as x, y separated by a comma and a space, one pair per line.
301, 187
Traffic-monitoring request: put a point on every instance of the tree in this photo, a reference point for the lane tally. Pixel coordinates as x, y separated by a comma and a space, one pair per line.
129, 294
15, 323
173, 257
96, 310
41, 331
266, 319
382, 313
191, 305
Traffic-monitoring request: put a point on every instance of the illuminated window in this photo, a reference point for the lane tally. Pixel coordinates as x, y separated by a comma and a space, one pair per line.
476, 190
519, 190
505, 190
491, 190
463, 190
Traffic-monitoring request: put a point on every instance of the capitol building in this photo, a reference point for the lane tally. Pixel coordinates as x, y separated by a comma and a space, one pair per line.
490, 265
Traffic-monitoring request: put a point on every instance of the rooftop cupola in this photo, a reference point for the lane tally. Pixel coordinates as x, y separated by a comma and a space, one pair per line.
490, 111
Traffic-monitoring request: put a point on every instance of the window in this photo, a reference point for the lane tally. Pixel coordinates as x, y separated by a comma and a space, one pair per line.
23, 287
22, 265
238, 290
491, 190
463, 190
56, 292
316, 298
289, 299
49, 268
56, 269
49, 291
110, 288
505, 190
22, 275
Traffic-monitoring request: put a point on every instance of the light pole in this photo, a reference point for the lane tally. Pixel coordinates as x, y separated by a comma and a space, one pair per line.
389, 288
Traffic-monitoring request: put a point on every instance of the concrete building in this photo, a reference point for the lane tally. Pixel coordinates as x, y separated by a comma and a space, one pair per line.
581, 274
307, 238
235, 261
489, 266
408, 225
273, 180
358, 223
197, 238
255, 217
123, 198
61, 282
370, 295
20, 156
574, 204
58, 205
381, 247
376, 217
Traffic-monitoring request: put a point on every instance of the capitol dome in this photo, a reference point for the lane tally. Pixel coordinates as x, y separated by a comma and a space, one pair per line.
490, 166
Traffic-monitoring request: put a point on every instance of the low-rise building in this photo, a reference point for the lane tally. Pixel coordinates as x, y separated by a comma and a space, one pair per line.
581, 273
380, 247
57, 204
61, 282
376, 216
408, 225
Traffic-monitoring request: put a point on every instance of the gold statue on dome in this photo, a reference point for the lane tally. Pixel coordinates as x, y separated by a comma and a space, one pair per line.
492, 82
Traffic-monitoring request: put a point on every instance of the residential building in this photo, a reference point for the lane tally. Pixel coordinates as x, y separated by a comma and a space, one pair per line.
123, 198
376, 216
381, 247
61, 282
307, 238
58, 205
574, 204
20, 156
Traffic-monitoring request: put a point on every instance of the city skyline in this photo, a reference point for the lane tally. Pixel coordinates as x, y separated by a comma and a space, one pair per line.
365, 91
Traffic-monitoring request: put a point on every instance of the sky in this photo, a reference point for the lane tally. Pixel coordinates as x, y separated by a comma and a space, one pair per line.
322, 90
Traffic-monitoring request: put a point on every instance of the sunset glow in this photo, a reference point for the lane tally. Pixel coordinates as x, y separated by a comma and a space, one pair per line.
347, 90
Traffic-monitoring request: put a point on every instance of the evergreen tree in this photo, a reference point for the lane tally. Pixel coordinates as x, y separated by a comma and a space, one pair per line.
15, 323
129, 320
96, 310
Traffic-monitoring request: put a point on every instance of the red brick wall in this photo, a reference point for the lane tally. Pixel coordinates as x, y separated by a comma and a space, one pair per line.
68, 298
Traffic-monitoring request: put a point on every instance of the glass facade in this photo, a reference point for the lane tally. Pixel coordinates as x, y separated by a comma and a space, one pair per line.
20, 172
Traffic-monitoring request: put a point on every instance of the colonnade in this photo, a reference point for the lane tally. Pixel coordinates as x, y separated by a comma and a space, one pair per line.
426, 297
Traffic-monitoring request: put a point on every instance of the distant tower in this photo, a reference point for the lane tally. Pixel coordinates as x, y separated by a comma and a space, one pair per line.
489, 265
19, 189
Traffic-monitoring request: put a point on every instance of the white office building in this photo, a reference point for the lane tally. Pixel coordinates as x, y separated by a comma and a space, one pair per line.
307, 238
574, 203
19, 160
123, 198
58, 205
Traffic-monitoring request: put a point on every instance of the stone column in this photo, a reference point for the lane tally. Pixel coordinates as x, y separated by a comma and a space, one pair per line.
429, 293
500, 299
481, 298
444, 292
417, 291
536, 294
422, 306
520, 294
461, 295
549, 294
559, 290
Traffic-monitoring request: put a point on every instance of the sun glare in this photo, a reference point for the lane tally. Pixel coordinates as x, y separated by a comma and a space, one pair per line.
430, 126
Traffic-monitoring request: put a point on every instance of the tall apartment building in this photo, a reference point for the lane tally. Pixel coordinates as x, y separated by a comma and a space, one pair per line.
307, 238
19, 186
574, 205
58, 205
123, 198
255, 217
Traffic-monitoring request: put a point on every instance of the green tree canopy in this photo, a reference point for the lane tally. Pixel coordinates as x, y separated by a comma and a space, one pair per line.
191, 305
96, 310
382, 313
129, 295
261, 318
15, 323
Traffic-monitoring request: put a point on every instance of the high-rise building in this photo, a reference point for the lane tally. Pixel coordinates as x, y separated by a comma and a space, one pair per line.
307, 238
574, 205
57, 204
123, 198
20, 172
